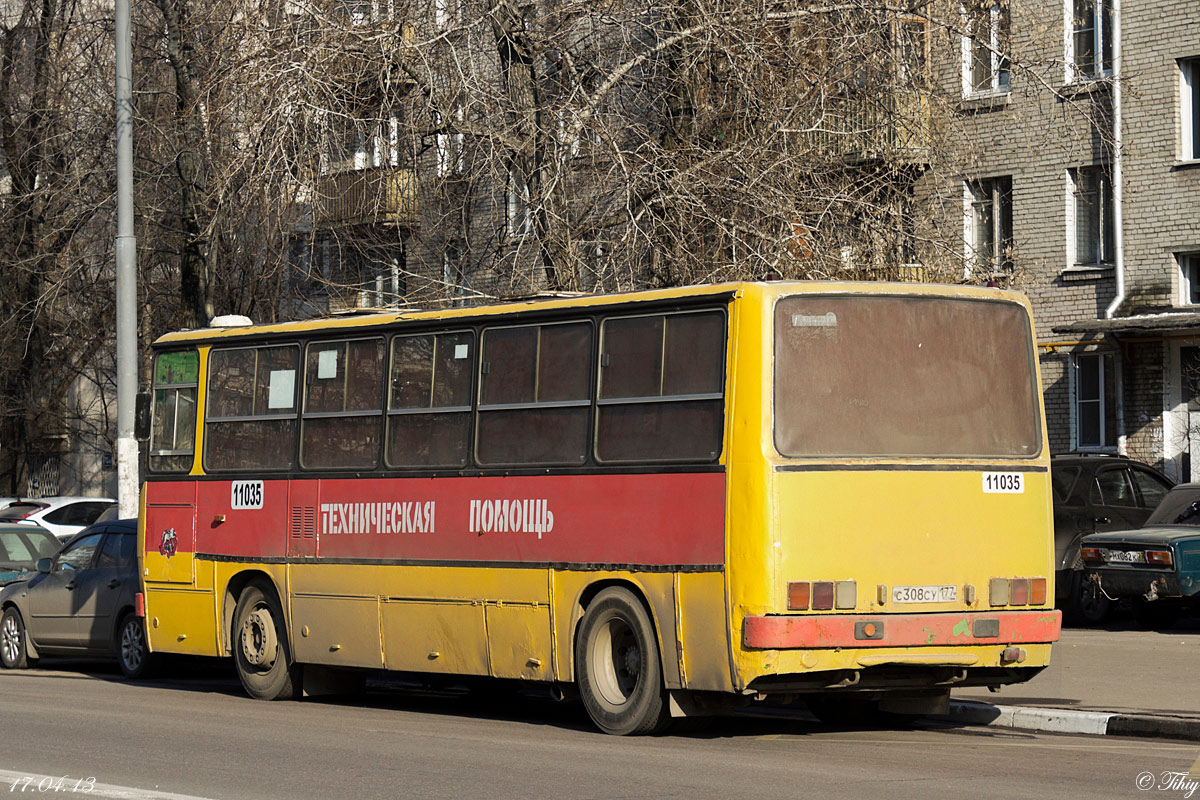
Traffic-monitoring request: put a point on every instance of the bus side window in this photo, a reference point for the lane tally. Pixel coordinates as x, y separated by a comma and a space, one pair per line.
343, 395
661, 391
251, 408
535, 394
429, 402
173, 431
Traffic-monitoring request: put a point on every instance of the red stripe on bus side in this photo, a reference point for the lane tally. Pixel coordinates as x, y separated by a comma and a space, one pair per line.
899, 630
666, 519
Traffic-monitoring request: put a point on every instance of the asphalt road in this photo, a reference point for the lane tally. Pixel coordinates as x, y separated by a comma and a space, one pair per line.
199, 736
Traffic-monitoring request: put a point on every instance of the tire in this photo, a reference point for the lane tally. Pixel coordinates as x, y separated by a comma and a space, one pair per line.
1156, 615
13, 645
618, 668
260, 646
133, 650
1086, 604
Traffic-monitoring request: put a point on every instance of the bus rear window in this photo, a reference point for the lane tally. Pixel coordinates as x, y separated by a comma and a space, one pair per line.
903, 376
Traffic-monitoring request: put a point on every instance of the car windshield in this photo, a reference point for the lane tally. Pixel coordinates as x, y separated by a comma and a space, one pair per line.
22, 549
1181, 506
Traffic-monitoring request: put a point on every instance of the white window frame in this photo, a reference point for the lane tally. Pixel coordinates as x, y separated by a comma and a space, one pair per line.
1077, 401
1073, 72
1189, 108
975, 194
1105, 193
446, 13
517, 217
451, 150
1000, 66
1189, 278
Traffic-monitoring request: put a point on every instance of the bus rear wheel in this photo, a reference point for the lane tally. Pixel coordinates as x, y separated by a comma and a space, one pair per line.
618, 668
260, 646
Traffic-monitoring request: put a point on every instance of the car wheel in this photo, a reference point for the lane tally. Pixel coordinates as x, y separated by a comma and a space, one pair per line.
1086, 603
618, 668
1156, 615
260, 646
133, 651
13, 647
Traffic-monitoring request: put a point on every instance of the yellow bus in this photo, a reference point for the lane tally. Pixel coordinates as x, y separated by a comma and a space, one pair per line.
675, 500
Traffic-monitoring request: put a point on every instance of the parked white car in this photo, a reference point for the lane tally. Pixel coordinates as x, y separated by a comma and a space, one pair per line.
62, 516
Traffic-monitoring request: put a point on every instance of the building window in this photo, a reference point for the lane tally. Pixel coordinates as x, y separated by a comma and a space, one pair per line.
1091, 44
1189, 275
1092, 217
516, 205
1189, 107
451, 152
447, 13
1089, 401
453, 277
991, 228
986, 66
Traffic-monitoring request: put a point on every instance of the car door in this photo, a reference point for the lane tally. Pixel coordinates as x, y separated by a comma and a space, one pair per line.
1151, 489
52, 600
103, 587
1114, 501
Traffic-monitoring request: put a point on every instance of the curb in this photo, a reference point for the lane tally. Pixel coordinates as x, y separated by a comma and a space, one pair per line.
1060, 720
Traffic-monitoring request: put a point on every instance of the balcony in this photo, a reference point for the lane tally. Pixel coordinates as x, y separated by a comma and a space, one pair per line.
868, 128
377, 195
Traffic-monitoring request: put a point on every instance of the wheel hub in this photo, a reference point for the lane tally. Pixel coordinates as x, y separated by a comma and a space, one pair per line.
12, 639
131, 647
633, 662
258, 639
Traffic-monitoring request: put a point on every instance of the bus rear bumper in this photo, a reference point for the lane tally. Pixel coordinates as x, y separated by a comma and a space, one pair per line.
793, 632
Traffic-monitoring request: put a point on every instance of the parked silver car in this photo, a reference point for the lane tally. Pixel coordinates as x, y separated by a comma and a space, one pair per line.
80, 603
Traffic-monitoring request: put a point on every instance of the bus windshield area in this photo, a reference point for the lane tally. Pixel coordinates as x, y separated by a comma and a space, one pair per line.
904, 376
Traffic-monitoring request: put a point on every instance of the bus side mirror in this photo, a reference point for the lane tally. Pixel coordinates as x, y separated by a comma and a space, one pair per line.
141, 417
43, 565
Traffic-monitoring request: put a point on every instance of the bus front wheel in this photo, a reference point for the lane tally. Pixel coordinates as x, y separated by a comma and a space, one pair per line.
260, 647
618, 668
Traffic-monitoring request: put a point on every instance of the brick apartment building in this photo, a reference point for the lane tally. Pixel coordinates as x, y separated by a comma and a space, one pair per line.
1078, 125
1083, 182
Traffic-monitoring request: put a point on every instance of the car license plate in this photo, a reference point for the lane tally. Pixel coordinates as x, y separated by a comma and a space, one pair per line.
924, 594
1125, 556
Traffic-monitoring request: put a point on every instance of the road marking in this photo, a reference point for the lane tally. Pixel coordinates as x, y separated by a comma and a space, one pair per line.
37, 784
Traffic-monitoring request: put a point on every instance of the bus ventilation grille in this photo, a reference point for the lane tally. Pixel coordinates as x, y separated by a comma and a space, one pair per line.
304, 523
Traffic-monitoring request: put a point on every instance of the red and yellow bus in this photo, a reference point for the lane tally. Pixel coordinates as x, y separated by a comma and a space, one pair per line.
675, 500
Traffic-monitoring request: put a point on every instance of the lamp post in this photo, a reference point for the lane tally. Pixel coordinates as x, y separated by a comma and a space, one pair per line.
126, 268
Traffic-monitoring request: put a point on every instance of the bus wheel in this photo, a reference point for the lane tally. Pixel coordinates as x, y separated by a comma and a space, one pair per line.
260, 648
618, 668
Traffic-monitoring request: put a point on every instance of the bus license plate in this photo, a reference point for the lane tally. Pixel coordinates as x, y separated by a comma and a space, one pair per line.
924, 594
1125, 556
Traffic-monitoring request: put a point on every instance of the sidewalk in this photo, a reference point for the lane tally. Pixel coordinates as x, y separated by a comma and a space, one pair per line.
1114, 681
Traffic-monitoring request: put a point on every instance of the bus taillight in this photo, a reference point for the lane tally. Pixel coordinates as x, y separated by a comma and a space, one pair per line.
1017, 591
798, 596
1037, 593
139, 604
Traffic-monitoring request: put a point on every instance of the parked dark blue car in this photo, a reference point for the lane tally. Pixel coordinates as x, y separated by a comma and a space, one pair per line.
1156, 566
